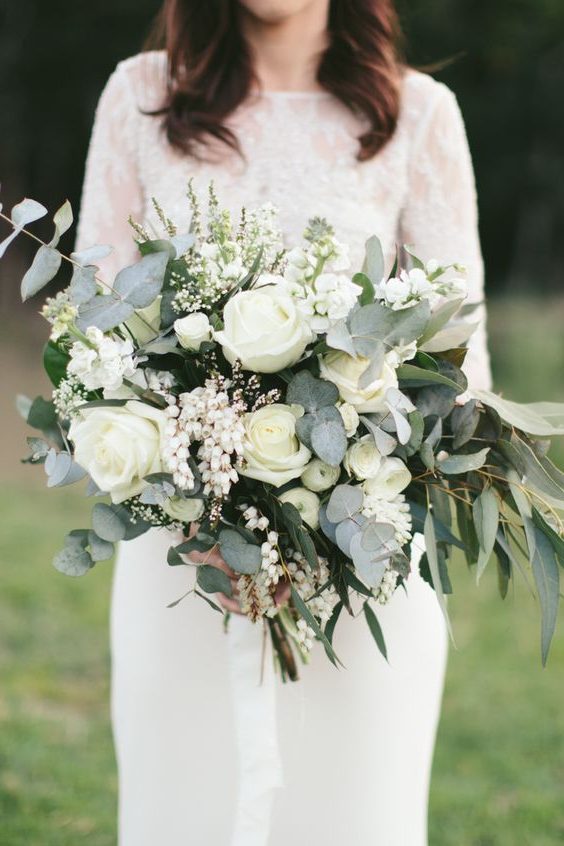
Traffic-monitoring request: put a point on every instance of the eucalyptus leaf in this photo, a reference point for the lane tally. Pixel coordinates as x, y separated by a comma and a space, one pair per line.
100, 550
346, 530
108, 522
375, 629
92, 255
73, 560
439, 318
414, 377
456, 464
485, 509
339, 338
367, 285
43, 269
63, 220
538, 473
105, 312
82, 286
63, 470
329, 439
433, 561
463, 423
556, 540
141, 283
376, 324
213, 580
238, 553
311, 393
373, 265
27, 211
345, 501
302, 609
542, 419
368, 565
450, 337
547, 580
385, 443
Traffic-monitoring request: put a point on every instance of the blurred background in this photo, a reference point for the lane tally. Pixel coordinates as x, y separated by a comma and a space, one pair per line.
499, 771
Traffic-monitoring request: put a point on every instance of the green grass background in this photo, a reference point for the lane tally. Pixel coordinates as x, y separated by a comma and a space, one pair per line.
498, 777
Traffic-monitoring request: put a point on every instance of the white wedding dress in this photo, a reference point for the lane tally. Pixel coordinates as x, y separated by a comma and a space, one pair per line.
207, 755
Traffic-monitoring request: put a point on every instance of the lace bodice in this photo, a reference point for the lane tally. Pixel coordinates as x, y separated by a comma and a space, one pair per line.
299, 153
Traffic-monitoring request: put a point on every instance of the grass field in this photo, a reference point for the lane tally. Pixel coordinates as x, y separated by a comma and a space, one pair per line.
498, 778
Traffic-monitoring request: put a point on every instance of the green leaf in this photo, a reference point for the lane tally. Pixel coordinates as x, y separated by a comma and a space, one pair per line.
108, 523
55, 362
451, 337
411, 376
82, 286
339, 338
197, 543
547, 580
556, 541
213, 580
364, 282
329, 439
485, 509
63, 220
373, 265
375, 629
241, 556
141, 283
376, 324
61, 469
311, 393
466, 528
543, 419
105, 311
540, 474
73, 560
456, 464
432, 557
439, 318
345, 501
503, 569
100, 550
42, 414
209, 601
304, 611
329, 629
463, 423
44, 268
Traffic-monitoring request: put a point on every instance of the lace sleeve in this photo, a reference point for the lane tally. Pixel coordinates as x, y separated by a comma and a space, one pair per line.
112, 190
440, 216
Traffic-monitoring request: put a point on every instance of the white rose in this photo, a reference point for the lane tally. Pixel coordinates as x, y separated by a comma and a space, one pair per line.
319, 476
146, 322
271, 450
184, 510
350, 418
119, 446
345, 372
363, 458
264, 330
306, 502
390, 479
193, 330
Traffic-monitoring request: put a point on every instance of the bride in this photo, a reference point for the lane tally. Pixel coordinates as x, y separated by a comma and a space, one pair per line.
305, 103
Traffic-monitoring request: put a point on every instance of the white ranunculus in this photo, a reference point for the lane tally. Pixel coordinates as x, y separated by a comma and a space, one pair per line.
345, 371
184, 510
264, 330
193, 330
271, 449
306, 502
350, 418
319, 476
146, 322
119, 446
390, 479
363, 458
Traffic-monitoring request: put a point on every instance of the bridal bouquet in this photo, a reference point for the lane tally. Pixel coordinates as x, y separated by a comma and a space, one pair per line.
303, 421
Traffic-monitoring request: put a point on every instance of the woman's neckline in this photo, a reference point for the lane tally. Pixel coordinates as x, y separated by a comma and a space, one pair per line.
290, 95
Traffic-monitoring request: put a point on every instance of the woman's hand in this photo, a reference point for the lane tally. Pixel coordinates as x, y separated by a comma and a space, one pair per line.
231, 603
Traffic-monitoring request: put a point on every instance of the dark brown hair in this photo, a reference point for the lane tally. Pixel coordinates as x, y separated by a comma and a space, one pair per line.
211, 70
